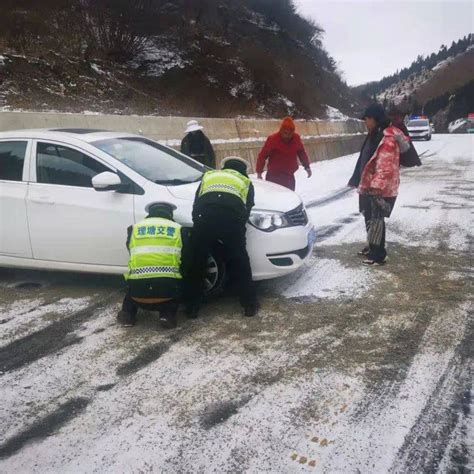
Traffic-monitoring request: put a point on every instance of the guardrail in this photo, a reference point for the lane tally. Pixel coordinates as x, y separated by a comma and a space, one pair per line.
323, 139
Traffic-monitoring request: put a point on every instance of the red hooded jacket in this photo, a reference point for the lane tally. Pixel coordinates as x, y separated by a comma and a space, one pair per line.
282, 157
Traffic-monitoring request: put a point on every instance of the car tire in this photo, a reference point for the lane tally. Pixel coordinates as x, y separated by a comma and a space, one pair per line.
216, 275
428, 139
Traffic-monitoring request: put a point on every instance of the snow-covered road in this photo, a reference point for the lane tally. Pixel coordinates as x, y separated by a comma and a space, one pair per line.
346, 369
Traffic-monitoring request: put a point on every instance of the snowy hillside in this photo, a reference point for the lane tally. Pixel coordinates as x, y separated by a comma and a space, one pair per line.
221, 59
412, 88
440, 85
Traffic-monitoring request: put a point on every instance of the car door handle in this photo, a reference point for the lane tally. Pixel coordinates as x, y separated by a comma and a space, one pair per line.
42, 200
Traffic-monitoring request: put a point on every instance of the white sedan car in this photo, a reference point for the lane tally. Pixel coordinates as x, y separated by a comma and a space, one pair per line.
68, 195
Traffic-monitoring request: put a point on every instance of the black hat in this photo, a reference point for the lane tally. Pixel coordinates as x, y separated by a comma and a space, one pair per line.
155, 208
375, 111
236, 163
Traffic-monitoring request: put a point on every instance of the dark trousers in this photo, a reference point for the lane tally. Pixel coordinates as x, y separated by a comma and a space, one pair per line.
166, 309
226, 228
377, 250
284, 179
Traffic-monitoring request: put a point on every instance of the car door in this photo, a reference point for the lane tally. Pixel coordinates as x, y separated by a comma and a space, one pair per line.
69, 220
14, 235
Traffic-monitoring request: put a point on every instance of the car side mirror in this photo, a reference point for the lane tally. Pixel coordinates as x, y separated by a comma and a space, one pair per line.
106, 181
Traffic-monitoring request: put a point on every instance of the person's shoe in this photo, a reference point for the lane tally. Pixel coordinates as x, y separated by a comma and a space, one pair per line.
377, 263
251, 310
126, 320
364, 252
168, 322
192, 312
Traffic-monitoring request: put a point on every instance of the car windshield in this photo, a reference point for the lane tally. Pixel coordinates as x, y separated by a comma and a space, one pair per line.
158, 163
418, 123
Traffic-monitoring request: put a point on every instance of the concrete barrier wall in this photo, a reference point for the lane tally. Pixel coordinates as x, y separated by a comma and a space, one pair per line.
318, 149
243, 137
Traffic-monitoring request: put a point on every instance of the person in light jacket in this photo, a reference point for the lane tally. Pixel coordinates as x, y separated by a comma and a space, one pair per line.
379, 182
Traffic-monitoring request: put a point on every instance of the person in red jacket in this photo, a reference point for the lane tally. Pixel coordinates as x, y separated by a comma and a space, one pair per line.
282, 150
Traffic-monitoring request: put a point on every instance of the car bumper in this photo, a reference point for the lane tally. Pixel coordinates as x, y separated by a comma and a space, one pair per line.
279, 253
414, 136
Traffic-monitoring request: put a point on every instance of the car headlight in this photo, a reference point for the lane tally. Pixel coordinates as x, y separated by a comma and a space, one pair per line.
268, 221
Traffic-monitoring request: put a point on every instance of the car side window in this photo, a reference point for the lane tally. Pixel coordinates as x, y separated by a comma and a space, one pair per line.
57, 164
12, 159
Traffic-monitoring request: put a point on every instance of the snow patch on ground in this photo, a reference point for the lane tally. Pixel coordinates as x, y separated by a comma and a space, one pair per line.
335, 114
442, 64
244, 89
261, 22
372, 443
24, 317
430, 208
158, 57
470, 434
328, 278
290, 104
97, 69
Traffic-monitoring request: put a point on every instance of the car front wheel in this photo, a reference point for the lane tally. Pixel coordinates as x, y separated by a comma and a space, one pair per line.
216, 275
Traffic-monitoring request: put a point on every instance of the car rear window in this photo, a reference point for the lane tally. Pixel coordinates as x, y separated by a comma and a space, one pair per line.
418, 123
12, 160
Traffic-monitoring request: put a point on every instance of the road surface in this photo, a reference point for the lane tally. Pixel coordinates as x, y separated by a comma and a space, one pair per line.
346, 369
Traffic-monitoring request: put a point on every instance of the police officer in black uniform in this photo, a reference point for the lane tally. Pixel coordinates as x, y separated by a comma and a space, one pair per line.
221, 210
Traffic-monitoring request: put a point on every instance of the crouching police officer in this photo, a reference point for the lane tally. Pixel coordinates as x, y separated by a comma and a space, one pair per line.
221, 210
154, 278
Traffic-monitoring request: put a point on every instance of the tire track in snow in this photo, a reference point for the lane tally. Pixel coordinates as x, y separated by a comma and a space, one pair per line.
45, 426
48, 340
335, 196
384, 438
425, 444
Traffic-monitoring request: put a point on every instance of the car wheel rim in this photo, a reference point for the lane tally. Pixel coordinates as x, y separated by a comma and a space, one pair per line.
212, 273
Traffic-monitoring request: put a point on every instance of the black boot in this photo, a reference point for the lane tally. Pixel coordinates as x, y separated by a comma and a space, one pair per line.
192, 311
250, 310
126, 319
168, 321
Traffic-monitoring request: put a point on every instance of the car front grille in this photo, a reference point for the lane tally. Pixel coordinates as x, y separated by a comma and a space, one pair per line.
297, 216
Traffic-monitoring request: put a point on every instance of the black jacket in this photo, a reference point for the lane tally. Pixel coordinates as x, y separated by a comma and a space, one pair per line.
224, 201
198, 146
410, 158
162, 287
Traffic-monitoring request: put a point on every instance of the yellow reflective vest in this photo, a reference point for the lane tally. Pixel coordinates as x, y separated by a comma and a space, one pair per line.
155, 250
226, 181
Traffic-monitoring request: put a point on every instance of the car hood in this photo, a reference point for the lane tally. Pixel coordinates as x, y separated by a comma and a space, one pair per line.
268, 196
416, 129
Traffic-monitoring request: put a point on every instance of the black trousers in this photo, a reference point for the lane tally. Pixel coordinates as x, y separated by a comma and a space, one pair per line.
209, 228
166, 309
377, 251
